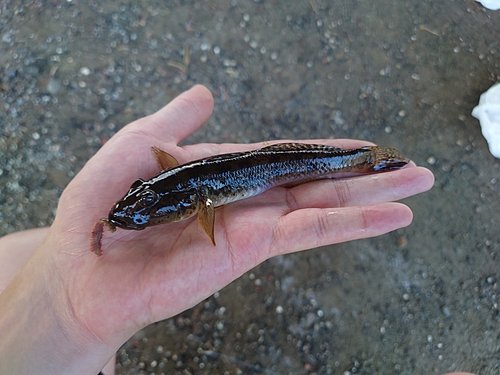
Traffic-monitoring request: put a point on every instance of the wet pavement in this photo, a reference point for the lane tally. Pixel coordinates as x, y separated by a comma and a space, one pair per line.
406, 74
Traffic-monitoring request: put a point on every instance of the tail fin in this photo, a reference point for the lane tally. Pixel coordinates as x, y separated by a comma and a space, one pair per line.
386, 158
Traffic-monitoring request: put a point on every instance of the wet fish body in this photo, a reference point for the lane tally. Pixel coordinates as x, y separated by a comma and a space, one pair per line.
231, 177
198, 187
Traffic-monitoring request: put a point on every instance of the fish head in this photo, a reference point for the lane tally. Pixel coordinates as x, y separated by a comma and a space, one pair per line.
143, 206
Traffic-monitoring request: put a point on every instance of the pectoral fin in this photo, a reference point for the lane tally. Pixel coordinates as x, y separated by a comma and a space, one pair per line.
206, 217
164, 159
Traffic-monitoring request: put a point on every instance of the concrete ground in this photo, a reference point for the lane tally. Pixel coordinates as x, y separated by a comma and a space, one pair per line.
423, 300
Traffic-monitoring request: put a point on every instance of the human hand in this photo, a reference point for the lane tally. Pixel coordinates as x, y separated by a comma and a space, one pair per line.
150, 275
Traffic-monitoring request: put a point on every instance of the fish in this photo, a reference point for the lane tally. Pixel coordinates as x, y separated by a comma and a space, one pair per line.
198, 187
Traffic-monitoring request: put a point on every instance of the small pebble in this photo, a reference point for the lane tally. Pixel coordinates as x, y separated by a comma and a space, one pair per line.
53, 86
446, 311
431, 160
402, 242
204, 46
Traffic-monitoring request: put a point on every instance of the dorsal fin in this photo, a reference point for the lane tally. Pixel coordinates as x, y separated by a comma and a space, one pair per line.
164, 159
296, 147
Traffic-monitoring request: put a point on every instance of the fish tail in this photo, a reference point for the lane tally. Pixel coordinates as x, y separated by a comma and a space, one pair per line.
385, 158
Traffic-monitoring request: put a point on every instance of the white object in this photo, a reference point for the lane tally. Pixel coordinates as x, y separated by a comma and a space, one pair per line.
488, 114
490, 4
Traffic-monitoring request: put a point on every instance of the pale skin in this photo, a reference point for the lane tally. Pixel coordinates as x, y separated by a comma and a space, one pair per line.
65, 311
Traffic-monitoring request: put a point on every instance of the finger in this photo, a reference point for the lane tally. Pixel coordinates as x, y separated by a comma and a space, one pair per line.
310, 228
362, 190
204, 150
179, 118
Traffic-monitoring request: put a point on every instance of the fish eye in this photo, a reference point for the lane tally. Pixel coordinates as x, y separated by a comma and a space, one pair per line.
147, 198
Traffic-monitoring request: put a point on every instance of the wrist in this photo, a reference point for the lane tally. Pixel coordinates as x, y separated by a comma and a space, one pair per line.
38, 327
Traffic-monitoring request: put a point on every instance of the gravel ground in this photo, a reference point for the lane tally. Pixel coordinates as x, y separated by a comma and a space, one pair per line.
400, 73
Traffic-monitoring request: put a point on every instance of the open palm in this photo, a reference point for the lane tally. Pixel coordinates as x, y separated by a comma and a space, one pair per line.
145, 276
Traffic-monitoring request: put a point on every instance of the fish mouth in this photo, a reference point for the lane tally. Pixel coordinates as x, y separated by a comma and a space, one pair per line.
123, 224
